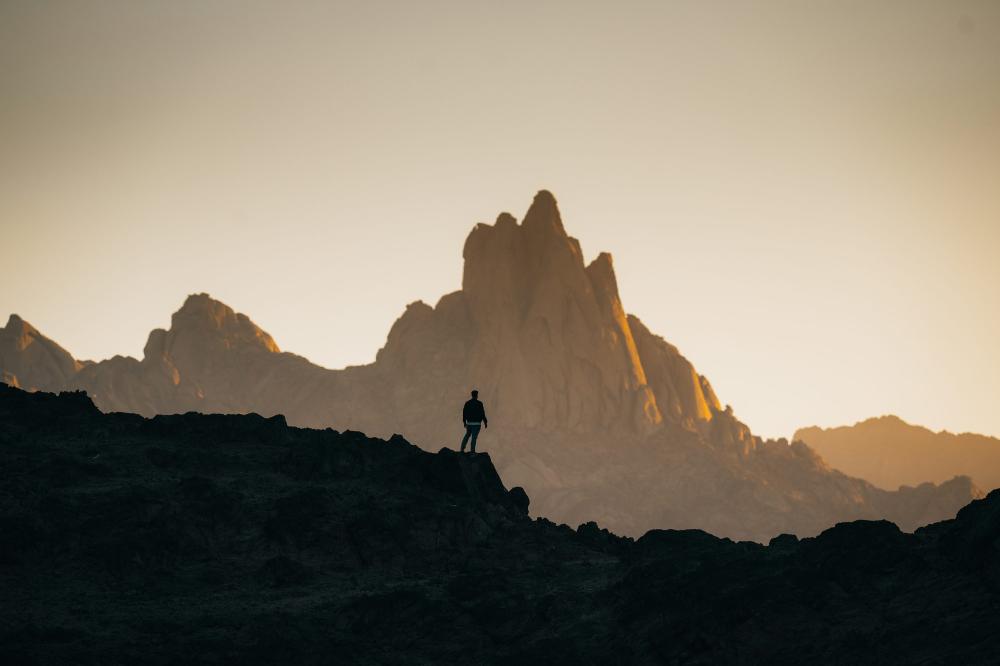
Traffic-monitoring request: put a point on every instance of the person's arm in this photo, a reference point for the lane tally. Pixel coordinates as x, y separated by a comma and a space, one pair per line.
485, 424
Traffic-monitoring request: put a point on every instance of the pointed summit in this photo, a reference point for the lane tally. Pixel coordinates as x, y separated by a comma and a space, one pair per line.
32, 361
203, 316
14, 321
517, 258
543, 215
601, 272
21, 329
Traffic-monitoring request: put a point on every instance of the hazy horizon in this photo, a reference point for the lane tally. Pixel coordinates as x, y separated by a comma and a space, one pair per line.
802, 198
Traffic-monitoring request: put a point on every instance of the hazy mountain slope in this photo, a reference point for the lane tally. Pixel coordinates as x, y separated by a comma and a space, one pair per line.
595, 416
890, 452
32, 361
201, 539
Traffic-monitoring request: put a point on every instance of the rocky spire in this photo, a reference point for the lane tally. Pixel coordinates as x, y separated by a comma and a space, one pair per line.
601, 273
552, 339
543, 215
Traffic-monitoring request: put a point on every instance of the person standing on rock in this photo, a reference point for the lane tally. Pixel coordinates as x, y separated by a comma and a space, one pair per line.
473, 417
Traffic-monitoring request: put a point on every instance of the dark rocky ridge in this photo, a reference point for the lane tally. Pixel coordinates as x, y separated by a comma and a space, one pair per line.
203, 539
594, 415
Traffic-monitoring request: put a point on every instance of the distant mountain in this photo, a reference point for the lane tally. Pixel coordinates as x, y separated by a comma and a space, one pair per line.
890, 452
208, 539
31, 361
594, 415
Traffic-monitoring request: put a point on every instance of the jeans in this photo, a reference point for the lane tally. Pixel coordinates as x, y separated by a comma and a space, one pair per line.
473, 432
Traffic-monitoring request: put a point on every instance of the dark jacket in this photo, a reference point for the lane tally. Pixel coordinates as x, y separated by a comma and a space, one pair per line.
474, 412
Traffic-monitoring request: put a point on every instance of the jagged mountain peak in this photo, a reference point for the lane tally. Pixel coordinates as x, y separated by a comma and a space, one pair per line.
543, 214
19, 328
550, 333
203, 307
203, 315
32, 361
601, 272
199, 301
523, 258
505, 220
597, 416
22, 334
15, 321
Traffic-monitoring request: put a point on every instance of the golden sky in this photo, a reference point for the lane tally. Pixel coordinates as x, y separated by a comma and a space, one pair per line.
803, 196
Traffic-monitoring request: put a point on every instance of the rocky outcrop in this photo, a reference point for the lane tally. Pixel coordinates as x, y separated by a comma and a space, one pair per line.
205, 539
890, 453
212, 359
685, 397
553, 350
30, 360
595, 416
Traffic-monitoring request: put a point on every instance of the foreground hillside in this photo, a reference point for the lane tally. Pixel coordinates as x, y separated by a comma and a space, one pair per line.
890, 452
592, 413
207, 539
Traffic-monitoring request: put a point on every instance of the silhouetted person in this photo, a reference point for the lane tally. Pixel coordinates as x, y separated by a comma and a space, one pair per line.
473, 417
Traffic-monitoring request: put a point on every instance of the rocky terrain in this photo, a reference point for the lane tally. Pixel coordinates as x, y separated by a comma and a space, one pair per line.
202, 539
28, 356
594, 415
890, 452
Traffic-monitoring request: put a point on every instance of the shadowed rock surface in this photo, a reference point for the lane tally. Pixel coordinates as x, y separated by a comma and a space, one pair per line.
594, 415
203, 539
890, 452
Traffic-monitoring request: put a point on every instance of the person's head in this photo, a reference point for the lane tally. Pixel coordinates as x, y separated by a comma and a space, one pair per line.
475, 393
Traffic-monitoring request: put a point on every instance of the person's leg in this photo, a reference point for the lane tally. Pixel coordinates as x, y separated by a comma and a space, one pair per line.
475, 435
468, 431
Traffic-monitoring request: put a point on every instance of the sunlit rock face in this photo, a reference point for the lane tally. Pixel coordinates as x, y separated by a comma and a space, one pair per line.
594, 415
890, 453
684, 397
553, 349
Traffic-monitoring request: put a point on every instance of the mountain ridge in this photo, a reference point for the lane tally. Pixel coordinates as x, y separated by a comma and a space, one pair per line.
207, 538
896, 419
890, 452
596, 416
